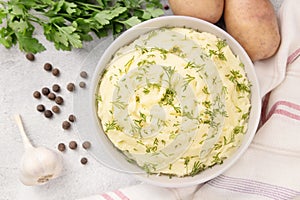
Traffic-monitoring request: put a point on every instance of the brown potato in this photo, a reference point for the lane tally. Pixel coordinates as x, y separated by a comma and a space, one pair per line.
253, 23
209, 10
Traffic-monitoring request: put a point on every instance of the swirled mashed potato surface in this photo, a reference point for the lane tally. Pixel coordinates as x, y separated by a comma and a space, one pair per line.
175, 101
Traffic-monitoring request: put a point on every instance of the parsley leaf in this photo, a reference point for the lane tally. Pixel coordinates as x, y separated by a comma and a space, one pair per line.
69, 23
131, 21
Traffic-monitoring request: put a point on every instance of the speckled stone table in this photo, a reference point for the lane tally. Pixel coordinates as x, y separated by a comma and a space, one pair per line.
19, 78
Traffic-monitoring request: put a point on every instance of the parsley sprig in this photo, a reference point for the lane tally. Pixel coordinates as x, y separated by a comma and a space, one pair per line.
69, 23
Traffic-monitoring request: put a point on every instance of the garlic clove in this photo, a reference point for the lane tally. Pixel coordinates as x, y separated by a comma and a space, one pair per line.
39, 165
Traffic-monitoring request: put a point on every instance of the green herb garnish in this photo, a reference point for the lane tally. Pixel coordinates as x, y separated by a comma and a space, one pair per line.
219, 53
197, 168
112, 125
187, 80
242, 85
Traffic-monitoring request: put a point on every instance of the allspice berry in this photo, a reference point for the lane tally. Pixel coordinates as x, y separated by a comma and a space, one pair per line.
86, 145
55, 88
71, 87
30, 56
55, 72
55, 109
83, 74
59, 100
37, 94
84, 160
47, 67
82, 84
48, 113
61, 147
45, 91
51, 96
72, 145
66, 125
72, 118
40, 108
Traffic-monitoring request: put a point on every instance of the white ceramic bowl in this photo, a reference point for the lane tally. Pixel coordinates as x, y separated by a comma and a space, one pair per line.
103, 149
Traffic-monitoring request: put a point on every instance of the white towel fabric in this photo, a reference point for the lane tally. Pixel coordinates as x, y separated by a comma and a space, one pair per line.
146, 192
270, 168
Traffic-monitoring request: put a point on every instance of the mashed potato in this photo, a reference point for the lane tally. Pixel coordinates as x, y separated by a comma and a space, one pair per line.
175, 101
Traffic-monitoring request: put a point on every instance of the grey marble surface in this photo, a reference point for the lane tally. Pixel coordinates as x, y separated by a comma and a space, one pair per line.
18, 79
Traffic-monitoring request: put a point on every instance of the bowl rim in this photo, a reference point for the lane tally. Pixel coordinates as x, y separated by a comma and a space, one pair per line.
202, 26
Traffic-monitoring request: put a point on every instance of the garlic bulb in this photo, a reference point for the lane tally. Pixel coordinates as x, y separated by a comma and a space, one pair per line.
38, 164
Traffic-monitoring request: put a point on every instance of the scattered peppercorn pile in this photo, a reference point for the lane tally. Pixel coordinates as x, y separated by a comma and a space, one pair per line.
73, 146
53, 95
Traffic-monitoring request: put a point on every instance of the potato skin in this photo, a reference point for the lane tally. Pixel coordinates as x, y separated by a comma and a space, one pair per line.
209, 10
253, 23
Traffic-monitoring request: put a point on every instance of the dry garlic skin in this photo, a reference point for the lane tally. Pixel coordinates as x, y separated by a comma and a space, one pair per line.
175, 101
39, 165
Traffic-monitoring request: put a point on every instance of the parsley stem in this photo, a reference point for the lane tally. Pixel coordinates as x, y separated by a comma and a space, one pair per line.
36, 19
91, 6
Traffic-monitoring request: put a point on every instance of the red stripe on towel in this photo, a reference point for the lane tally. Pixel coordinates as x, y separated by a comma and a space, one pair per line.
287, 114
264, 116
264, 108
276, 110
121, 195
107, 197
249, 186
293, 56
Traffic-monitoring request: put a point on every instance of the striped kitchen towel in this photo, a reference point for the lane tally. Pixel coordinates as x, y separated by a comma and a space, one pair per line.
146, 192
269, 169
